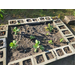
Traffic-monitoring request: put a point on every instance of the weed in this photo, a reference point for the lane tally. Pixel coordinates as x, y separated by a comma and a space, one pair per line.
61, 39
50, 41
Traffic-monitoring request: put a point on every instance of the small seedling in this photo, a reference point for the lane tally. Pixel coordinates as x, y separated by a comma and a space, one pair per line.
47, 34
32, 37
16, 30
49, 28
13, 44
50, 41
37, 45
61, 39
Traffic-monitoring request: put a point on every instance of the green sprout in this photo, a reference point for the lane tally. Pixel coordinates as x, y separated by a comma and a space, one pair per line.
13, 44
37, 45
47, 34
50, 41
32, 37
61, 39
16, 30
49, 28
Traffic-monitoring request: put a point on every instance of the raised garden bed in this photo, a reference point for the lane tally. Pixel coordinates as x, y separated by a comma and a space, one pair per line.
25, 47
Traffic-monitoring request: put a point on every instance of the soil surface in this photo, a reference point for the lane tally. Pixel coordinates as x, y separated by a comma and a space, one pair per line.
73, 45
39, 59
1, 54
29, 20
34, 19
49, 55
42, 19
25, 44
20, 21
1, 42
58, 21
67, 50
59, 52
2, 33
47, 18
3, 27
66, 32
62, 27
27, 62
12, 22
71, 39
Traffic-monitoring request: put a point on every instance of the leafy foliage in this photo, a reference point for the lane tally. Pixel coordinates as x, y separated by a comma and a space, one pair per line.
61, 39
1, 14
32, 37
50, 41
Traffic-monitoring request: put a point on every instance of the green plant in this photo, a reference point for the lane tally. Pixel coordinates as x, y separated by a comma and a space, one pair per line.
16, 30
1, 14
13, 44
50, 41
47, 34
32, 37
61, 39
49, 28
37, 45
74, 13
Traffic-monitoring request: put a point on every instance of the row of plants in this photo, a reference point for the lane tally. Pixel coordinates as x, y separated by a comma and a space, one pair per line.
37, 45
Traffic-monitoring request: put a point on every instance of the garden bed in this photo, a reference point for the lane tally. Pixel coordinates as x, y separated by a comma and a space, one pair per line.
25, 44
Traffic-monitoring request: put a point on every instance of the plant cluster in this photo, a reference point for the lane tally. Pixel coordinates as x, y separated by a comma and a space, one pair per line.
36, 46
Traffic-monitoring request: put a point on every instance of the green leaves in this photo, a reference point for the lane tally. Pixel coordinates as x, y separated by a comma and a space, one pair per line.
1, 16
32, 37
16, 30
37, 45
50, 41
61, 39
13, 44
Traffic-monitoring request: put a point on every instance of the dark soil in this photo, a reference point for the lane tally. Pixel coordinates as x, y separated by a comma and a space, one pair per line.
2, 33
25, 47
1, 54
42, 19
39, 59
27, 62
57, 21
62, 27
67, 50
73, 45
29, 20
3, 27
20, 21
71, 39
12, 22
15, 63
1, 63
66, 32
49, 55
1, 42
59, 52
47, 18
34, 19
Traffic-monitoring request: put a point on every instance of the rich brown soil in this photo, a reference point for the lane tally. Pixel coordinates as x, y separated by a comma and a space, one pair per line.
73, 45
71, 39
39, 59
3, 27
15, 64
27, 62
12, 22
1, 63
1, 54
66, 32
62, 27
59, 52
67, 50
2, 33
25, 43
1, 42
49, 55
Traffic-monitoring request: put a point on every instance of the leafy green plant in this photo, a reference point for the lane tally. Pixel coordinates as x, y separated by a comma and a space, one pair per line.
47, 34
16, 30
61, 39
37, 45
1, 14
50, 41
13, 44
49, 28
32, 37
